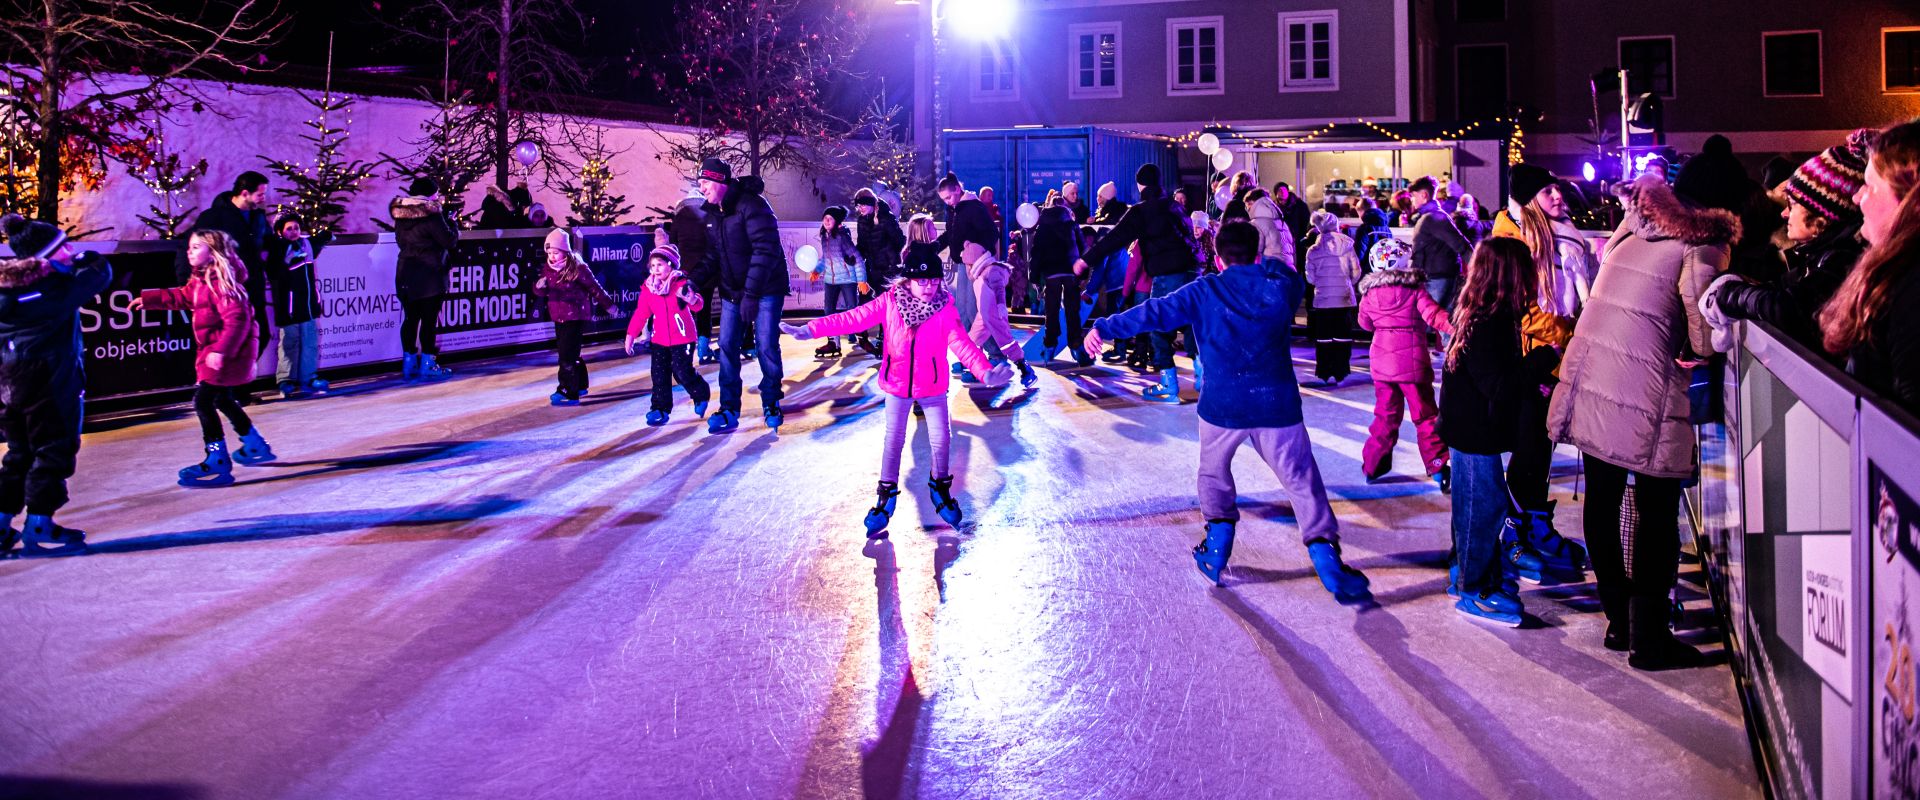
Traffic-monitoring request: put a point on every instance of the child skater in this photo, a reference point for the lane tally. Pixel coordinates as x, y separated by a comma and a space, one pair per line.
842, 267
987, 276
42, 379
667, 304
571, 292
1395, 305
291, 255
919, 325
1482, 395
224, 333
1243, 315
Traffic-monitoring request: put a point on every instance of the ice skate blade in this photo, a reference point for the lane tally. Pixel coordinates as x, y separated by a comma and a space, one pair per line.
1468, 609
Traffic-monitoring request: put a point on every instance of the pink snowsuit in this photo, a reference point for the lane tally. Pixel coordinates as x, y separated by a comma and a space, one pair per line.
914, 362
1395, 305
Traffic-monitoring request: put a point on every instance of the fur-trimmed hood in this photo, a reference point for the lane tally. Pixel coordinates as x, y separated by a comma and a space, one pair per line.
499, 195
1654, 213
18, 272
1393, 277
409, 207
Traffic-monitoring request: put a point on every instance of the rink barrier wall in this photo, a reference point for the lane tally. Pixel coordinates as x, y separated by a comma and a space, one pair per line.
1810, 535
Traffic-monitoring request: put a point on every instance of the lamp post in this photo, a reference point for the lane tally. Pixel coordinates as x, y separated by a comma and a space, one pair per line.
974, 19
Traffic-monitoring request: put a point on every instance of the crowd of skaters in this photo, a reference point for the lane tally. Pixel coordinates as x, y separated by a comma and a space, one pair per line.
1540, 339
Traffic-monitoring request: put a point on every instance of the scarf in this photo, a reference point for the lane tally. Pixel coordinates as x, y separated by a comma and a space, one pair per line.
914, 311
663, 284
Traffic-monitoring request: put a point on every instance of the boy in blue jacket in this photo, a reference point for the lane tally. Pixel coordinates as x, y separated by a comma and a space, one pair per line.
1242, 318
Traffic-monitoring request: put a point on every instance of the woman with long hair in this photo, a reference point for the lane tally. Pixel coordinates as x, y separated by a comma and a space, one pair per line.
1870, 320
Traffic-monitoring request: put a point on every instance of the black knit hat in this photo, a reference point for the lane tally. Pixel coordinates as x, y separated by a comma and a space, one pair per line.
715, 169
922, 260
423, 186
865, 197
838, 214
1147, 175
31, 238
1527, 181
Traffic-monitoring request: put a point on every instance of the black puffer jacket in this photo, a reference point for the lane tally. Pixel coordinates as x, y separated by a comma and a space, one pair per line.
969, 221
39, 325
296, 286
689, 233
1890, 362
880, 241
743, 240
421, 228
1161, 227
1814, 271
1056, 244
249, 232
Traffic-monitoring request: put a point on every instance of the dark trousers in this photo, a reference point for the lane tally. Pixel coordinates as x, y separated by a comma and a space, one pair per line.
209, 402
419, 321
1164, 285
573, 371
671, 364
1062, 292
1642, 603
1332, 331
42, 422
1530, 468
703, 319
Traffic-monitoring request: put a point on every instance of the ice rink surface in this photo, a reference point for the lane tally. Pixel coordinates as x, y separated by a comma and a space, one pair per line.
454, 590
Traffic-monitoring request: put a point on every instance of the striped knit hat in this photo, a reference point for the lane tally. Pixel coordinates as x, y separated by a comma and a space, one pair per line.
1827, 182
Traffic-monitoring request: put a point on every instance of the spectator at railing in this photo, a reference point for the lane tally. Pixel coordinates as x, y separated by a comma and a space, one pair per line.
1871, 319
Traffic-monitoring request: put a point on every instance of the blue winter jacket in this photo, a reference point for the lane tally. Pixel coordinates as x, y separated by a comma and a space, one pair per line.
1243, 318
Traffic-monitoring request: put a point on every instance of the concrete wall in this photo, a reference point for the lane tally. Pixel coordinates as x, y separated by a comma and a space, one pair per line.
1372, 69
269, 121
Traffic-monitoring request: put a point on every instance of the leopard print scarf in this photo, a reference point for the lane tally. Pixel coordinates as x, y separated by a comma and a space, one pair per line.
915, 311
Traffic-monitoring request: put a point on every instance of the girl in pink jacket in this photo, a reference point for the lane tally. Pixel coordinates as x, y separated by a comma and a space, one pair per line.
1394, 304
919, 325
667, 303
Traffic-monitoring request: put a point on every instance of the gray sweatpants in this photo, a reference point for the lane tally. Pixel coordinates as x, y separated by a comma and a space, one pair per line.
1288, 453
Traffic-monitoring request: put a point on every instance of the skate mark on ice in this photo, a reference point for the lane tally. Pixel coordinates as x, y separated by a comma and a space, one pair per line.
288, 526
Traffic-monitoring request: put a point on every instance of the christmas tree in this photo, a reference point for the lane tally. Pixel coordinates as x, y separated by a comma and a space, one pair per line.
590, 196
891, 162
453, 149
321, 188
169, 179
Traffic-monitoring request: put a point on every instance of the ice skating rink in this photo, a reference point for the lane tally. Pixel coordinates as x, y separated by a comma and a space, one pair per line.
455, 590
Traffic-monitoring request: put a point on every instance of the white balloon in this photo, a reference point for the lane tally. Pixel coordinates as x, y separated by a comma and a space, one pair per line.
1208, 144
1028, 215
807, 258
1222, 159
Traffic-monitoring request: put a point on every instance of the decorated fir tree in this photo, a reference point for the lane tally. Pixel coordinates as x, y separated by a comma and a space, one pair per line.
454, 149
890, 162
168, 178
590, 197
319, 188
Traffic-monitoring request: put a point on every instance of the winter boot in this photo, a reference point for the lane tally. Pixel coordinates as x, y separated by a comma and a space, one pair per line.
882, 511
254, 448
656, 418
870, 346
1117, 355
1080, 356
215, 470
940, 490
430, 368
1211, 554
44, 538
289, 390
700, 408
1499, 607
723, 421
410, 367
1347, 584
1167, 391
1027, 376
1559, 554
1518, 556
1445, 478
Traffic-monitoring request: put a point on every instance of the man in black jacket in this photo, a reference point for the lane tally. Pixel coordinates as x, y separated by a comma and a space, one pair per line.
1167, 248
968, 220
743, 248
1438, 246
242, 214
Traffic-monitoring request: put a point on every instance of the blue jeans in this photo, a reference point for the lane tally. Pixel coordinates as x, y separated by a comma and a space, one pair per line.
1164, 285
1480, 506
299, 352
1441, 289
765, 312
842, 297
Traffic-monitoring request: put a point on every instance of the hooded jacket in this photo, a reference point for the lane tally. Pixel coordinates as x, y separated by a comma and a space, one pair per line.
1332, 269
1550, 321
1396, 306
1056, 243
1241, 317
425, 235
571, 301
1277, 238
291, 273
1161, 227
221, 325
969, 221
1815, 271
743, 244
880, 240
914, 362
1622, 398
40, 324
840, 261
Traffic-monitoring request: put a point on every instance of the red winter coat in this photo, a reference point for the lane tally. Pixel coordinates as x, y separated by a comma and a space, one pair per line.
672, 318
1394, 304
915, 362
221, 325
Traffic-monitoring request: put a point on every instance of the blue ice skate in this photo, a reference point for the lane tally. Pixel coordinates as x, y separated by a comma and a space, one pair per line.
882, 511
1211, 554
44, 538
1167, 390
1347, 584
1499, 607
656, 418
700, 408
1562, 558
1519, 557
941, 491
215, 470
723, 421
254, 448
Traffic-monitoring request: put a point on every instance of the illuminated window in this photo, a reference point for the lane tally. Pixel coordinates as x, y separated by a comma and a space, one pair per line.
1900, 59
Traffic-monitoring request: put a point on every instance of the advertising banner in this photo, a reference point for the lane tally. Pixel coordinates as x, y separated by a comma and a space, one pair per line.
134, 351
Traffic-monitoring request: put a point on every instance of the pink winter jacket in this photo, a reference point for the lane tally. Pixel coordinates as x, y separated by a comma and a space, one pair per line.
915, 362
1394, 304
672, 319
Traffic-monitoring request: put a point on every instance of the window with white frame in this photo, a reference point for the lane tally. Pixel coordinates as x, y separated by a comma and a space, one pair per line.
994, 77
1790, 64
1194, 56
1648, 61
1310, 51
1900, 59
1093, 53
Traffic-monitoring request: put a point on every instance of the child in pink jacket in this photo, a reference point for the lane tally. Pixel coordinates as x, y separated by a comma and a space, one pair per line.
1395, 305
667, 303
919, 325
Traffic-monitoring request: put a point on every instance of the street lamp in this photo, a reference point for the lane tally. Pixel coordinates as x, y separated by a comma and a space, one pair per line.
977, 20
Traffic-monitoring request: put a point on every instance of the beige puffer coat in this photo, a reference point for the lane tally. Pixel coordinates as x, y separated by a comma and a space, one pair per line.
1622, 398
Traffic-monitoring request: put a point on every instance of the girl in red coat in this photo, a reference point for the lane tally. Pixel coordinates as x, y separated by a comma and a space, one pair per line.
572, 293
1394, 304
224, 334
667, 303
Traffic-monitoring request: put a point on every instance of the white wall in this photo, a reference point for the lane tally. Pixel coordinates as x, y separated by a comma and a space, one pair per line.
269, 121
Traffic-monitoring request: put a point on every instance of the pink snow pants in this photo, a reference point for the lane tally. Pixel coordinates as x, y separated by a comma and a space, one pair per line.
1376, 457
1288, 453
